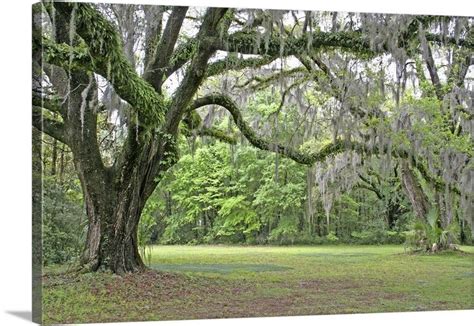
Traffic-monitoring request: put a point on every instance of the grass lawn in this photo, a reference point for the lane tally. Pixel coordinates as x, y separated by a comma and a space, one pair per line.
188, 282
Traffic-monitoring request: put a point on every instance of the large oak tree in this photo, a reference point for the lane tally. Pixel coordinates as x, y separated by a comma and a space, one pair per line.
79, 47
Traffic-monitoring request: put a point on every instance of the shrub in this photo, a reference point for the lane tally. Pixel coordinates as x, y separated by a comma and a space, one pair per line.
331, 237
64, 222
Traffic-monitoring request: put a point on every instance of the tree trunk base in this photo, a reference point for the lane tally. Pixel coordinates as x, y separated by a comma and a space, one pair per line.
93, 266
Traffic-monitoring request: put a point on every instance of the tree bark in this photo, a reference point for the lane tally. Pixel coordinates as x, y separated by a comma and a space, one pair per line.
415, 193
115, 202
112, 242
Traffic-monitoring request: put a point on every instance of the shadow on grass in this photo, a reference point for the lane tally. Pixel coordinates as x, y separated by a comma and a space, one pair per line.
338, 255
219, 268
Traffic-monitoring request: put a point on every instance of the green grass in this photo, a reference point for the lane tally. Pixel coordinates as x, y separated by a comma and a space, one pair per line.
188, 282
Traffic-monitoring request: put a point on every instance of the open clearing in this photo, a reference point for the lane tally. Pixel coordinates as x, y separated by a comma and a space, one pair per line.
188, 282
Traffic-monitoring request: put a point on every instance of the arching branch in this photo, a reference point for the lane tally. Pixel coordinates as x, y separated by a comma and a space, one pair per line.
261, 143
298, 156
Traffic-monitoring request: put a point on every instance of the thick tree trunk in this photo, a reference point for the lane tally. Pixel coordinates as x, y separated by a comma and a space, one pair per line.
115, 196
114, 214
415, 193
112, 242
114, 209
446, 214
115, 202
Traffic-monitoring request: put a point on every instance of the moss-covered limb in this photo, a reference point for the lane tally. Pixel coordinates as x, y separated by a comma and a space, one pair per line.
193, 127
217, 134
155, 70
467, 42
351, 41
244, 42
262, 82
49, 104
261, 143
75, 58
50, 127
182, 54
106, 51
232, 62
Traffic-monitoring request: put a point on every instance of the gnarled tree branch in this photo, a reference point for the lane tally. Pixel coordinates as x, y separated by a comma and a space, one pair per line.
50, 127
155, 70
47, 104
196, 72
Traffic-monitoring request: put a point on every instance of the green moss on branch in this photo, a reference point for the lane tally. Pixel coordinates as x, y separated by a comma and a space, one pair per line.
106, 51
